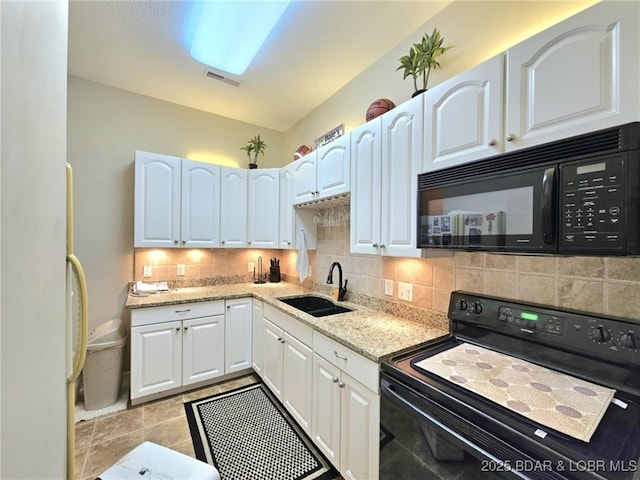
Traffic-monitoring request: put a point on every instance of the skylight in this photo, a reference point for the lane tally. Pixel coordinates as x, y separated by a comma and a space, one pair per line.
229, 33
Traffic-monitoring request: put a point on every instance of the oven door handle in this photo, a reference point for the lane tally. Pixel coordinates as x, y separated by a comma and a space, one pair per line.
387, 386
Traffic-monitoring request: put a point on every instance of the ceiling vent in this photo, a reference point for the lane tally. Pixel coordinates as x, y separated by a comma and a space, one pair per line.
221, 78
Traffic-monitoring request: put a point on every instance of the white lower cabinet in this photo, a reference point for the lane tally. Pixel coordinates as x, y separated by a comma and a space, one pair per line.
287, 363
256, 338
345, 421
176, 347
238, 333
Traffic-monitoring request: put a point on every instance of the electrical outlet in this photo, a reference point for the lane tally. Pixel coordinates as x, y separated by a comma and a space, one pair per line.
180, 269
251, 267
405, 291
146, 271
388, 287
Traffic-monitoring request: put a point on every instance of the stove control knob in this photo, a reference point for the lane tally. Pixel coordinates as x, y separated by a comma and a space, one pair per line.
462, 305
476, 308
600, 334
628, 340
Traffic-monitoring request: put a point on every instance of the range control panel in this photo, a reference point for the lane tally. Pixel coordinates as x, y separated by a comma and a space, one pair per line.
608, 338
592, 204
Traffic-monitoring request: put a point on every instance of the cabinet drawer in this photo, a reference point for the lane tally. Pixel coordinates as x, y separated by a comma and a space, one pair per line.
294, 327
183, 311
362, 369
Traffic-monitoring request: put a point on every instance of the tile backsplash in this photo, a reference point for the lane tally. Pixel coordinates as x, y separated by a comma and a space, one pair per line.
607, 285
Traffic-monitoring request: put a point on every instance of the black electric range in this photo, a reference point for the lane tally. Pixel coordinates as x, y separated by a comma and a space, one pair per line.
604, 351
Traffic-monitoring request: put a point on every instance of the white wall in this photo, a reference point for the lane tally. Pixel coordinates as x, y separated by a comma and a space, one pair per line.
106, 125
33, 134
478, 30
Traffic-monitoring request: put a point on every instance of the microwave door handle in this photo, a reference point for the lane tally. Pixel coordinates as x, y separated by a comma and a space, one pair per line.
548, 182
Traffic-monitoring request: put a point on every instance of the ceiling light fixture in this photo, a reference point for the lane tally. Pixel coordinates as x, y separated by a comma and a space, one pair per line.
229, 34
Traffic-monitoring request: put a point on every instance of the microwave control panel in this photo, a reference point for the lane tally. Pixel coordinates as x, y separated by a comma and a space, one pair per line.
592, 204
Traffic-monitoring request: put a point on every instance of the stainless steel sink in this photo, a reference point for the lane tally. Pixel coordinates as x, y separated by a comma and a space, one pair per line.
314, 305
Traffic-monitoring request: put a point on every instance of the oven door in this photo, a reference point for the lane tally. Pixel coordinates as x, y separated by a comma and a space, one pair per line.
508, 212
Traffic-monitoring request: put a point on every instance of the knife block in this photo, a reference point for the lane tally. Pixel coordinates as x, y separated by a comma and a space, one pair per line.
274, 274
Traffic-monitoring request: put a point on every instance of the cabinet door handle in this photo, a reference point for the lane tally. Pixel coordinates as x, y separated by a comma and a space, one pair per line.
186, 327
280, 339
382, 245
510, 137
341, 384
249, 243
183, 311
177, 329
175, 242
334, 379
492, 142
228, 306
184, 241
339, 356
222, 242
375, 245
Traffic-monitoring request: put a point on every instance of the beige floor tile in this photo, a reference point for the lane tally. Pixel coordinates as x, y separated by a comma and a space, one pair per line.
162, 410
201, 393
84, 434
185, 447
168, 433
118, 424
80, 457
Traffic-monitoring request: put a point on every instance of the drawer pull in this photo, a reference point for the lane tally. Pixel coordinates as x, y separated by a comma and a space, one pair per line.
183, 311
339, 356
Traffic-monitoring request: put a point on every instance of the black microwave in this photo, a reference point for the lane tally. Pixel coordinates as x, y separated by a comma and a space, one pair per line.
578, 196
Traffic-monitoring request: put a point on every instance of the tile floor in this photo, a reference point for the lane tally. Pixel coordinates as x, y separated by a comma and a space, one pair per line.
102, 441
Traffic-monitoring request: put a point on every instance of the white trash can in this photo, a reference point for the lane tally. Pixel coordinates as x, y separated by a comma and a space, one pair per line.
102, 373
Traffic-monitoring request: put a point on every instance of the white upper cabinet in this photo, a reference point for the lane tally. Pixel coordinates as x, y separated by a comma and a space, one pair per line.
233, 212
366, 187
463, 117
578, 76
323, 173
386, 156
286, 220
200, 204
264, 206
177, 202
157, 200
333, 168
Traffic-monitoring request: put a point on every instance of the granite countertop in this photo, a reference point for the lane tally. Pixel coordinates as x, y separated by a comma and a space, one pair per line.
374, 334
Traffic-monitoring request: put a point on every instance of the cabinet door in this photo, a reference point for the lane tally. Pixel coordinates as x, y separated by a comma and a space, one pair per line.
256, 340
333, 168
200, 204
238, 328
156, 200
156, 358
264, 200
233, 213
463, 117
297, 381
272, 338
325, 419
202, 349
578, 76
360, 434
366, 184
304, 178
286, 219
402, 142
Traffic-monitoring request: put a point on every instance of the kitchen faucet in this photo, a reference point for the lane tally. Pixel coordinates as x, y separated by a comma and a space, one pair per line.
341, 290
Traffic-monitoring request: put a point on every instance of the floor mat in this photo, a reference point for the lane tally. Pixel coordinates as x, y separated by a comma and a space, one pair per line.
247, 434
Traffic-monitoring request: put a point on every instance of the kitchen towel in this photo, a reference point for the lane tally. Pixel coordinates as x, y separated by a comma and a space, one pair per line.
302, 263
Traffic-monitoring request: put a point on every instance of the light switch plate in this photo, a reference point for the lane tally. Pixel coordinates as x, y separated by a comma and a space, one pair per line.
388, 287
405, 291
180, 269
251, 267
146, 271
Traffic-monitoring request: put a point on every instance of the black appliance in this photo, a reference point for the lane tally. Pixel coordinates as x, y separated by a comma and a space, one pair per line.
457, 422
575, 196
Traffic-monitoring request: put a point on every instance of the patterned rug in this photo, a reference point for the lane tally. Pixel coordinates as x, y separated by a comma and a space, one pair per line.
553, 399
247, 435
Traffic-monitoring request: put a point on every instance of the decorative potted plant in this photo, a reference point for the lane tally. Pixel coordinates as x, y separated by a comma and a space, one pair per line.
422, 58
254, 147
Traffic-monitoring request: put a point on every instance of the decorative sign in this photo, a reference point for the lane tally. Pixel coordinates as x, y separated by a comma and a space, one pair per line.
329, 136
